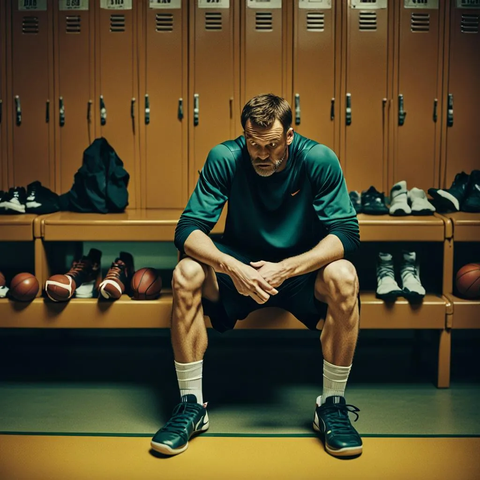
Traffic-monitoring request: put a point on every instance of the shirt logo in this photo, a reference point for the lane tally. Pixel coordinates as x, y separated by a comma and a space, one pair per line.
294, 193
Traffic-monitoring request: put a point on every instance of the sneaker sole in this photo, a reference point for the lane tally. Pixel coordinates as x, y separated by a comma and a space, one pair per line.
166, 450
342, 452
389, 297
446, 199
12, 206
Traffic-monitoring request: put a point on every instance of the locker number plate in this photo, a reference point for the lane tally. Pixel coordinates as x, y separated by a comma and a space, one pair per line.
264, 3
116, 4
32, 5
165, 4
72, 5
315, 4
213, 3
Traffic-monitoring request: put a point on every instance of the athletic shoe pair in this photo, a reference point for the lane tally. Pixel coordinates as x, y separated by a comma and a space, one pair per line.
330, 420
464, 194
83, 274
36, 199
406, 202
3, 285
388, 288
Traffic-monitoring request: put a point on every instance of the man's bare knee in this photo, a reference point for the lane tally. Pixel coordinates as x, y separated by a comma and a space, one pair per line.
338, 283
188, 276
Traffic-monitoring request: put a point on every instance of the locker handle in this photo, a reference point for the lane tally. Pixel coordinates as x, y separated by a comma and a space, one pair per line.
89, 111
132, 108
450, 110
332, 109
297, 109
435, 105
47, 112
401, 111
61, 106
18, 111
147, 109
196, 109
180, 109
348, 111
103, 111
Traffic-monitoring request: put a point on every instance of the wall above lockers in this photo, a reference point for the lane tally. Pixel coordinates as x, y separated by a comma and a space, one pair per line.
390, 85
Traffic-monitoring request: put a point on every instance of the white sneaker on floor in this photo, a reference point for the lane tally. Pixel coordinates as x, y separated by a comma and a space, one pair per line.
387, 286
399, 200
419, 202
412, 287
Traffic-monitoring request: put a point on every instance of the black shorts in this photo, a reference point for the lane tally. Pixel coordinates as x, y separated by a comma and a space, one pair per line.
296, 295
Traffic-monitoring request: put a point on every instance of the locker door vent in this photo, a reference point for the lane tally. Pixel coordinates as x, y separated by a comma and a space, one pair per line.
73, 24
213, 21
164, 22
263, 21
469, 23
315, 22
117, 23
420, 22
30, 25
367, 21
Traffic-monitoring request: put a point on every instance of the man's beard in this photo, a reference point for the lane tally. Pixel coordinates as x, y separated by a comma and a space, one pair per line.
275, 165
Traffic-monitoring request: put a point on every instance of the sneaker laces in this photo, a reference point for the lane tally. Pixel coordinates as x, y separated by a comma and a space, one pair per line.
338, 419
409, 269
81, 270
385, 270
116, 270
183, 414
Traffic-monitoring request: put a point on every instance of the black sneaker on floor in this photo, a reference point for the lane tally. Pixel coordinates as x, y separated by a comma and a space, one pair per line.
356, 200
472, 197
41, 200
331, 420
451, 199
188, 418
13, 202
373, 202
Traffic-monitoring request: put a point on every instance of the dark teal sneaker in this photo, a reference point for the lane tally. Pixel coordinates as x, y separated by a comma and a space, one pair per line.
188, 418
331, 420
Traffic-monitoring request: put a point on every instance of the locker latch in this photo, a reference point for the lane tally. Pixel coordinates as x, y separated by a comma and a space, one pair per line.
297, 109
132, 108
89, 111
332, 109
450, 110
61, 109
401, 112
147, 109
47, 112
103, 111
348, 111
180, 109
196, 109
18, 110
435, 105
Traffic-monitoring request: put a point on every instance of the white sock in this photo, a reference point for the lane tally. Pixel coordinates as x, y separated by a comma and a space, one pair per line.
189, 376
334, 380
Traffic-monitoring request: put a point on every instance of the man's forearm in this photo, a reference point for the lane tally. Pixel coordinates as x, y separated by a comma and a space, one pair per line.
200, 247
327, 250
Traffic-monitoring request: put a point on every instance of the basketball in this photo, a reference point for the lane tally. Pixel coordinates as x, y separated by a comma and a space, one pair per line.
23, 287
146, 284
60, 288
467, 281
2, 280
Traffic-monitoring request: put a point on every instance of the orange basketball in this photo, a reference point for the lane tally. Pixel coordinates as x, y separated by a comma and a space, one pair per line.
146, 284
467, 281
60, 288
23, 287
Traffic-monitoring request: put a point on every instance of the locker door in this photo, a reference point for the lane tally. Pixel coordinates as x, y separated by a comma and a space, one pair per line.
3, 103
314, 85
74, 87
164, 91
214, 112
116, 83
31, 90
264, 49
416, 157
366, 85
463, 139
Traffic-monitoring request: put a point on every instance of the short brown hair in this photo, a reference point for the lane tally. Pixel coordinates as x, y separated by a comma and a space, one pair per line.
262, 110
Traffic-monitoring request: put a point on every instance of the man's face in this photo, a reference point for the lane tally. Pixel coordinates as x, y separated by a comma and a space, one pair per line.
268, 147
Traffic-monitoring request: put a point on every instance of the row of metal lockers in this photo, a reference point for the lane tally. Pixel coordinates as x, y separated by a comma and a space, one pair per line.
391, 85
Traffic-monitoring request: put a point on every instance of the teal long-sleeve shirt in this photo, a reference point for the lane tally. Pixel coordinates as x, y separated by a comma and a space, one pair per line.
276, 217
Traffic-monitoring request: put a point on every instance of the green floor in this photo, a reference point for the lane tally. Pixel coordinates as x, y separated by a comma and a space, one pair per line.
256, 383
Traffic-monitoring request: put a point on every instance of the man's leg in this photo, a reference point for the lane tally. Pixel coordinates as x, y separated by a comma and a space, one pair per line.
191, 281
337, 286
